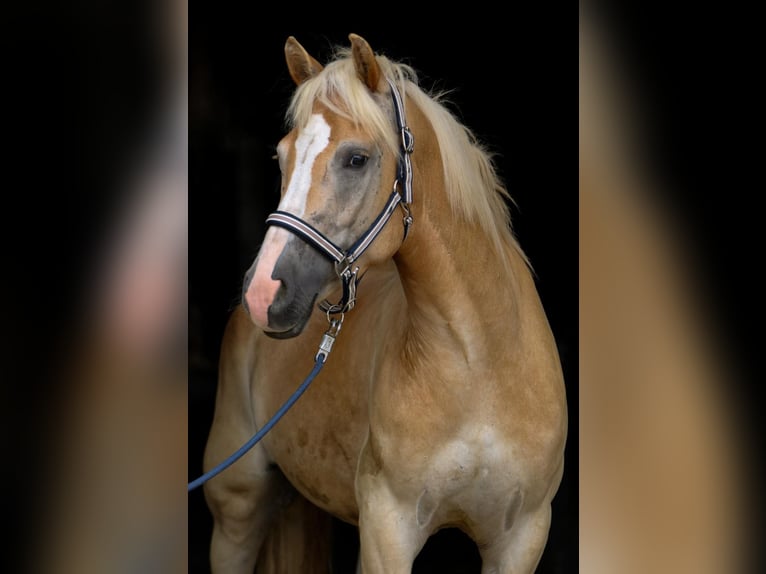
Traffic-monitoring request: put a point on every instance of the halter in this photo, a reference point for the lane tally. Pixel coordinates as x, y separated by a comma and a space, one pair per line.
344, 260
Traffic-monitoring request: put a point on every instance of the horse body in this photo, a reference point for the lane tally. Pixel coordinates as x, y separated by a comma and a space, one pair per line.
442, 403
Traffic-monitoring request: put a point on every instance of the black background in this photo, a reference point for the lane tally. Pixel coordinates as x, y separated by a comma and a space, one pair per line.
515, 87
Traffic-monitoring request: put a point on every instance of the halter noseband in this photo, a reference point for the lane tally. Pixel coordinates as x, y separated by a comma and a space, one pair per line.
401, 196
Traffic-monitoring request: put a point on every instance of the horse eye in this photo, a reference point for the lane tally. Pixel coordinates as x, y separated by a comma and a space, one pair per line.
357, 160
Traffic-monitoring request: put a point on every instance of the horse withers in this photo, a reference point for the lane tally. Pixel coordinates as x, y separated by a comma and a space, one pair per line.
443, 402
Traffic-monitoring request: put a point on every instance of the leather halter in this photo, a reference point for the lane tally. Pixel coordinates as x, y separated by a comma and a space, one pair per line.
344, 259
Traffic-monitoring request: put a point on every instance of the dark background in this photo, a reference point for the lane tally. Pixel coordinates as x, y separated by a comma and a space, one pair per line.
515, 87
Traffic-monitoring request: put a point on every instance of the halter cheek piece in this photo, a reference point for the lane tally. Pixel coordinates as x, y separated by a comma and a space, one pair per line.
401, 196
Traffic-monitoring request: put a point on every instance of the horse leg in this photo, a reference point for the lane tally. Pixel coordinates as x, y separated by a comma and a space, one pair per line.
518, 550
389, 535
244, 500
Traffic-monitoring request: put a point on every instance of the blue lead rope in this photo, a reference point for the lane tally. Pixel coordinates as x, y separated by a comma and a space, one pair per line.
324, 350
263, 430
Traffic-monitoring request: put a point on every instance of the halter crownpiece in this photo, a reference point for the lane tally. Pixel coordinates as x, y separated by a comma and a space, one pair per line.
404, 169
400, 196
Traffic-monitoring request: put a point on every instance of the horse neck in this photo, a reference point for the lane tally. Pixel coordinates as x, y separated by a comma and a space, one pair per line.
461, 294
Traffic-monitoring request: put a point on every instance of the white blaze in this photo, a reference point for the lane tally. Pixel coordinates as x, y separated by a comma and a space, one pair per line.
312, 140
309, 144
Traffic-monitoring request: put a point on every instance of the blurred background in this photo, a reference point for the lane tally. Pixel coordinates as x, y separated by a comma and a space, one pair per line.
670, 312
110, 332
93, 396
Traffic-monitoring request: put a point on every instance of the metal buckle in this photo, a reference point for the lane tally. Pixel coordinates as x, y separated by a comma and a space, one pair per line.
349, 279
407, 213
343, 267
407, 219
408, 140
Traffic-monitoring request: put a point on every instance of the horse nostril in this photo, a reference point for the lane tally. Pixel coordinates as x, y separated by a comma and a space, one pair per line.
283, 298
285, 287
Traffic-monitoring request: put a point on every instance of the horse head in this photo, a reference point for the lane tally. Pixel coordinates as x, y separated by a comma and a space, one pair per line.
338, 163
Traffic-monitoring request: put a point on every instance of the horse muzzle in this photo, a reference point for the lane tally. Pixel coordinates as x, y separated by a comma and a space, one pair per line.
280, 295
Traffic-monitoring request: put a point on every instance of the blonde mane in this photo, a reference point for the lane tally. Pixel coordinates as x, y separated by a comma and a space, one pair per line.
474, 190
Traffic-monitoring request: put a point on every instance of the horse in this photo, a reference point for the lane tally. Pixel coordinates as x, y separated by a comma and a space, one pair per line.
443, 401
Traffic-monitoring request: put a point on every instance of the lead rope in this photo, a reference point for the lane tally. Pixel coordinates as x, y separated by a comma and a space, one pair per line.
325, 346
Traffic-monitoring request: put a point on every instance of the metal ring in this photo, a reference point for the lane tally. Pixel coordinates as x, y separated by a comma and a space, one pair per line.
330, 311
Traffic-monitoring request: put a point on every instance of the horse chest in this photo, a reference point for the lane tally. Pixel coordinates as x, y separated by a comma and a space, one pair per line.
469, 478
475, 471
319, 450
474, 459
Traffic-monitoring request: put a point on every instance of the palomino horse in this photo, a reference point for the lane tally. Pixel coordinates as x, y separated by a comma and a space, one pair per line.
443, 403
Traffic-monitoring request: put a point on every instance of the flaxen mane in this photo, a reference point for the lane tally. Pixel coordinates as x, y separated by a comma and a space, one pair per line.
474, 189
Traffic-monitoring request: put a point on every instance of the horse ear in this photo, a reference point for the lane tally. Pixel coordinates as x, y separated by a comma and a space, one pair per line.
300, 64
366, 65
